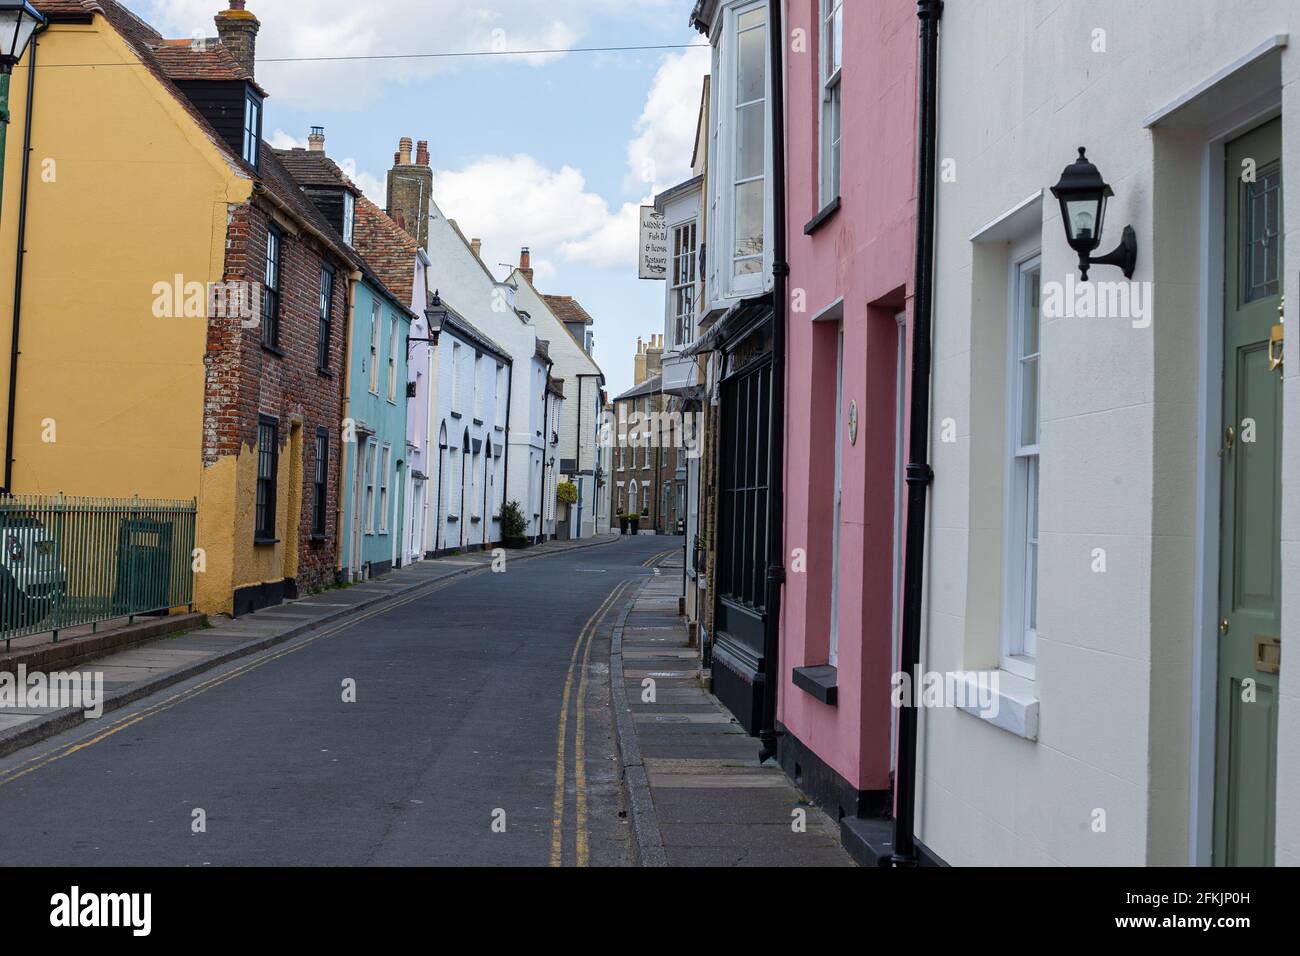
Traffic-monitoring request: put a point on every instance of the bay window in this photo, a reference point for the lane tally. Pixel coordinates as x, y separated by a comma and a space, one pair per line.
682, 291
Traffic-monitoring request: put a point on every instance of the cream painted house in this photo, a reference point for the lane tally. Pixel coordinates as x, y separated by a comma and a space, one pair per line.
1106, 539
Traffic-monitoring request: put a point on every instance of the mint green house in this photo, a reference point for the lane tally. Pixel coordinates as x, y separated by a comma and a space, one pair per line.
374, 427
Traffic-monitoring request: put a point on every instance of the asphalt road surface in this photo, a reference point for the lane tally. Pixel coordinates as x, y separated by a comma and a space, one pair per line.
480, 734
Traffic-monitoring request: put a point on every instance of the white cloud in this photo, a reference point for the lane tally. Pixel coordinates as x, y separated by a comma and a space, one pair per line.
345, 28
660, 155
282, 140
376, 189
514, 201
509, 201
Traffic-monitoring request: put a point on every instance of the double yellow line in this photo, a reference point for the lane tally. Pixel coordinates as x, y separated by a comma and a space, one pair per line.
32, 764
584, 642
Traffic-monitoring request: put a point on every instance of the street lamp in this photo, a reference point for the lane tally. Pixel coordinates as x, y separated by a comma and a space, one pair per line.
435, 315
18, 21
1082, 194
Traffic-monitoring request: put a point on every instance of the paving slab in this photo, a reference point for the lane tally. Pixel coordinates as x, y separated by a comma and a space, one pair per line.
697, 794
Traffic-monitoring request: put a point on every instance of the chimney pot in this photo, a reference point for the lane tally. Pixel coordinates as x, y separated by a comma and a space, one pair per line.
422, 153
476, 246
526, 264
404, 151
316, 139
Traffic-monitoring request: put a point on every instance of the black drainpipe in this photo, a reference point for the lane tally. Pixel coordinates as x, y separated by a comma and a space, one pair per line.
505, 472
776, 425
919, 473
18, 267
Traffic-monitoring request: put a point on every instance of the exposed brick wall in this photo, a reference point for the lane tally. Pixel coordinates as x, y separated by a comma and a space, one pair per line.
245, 379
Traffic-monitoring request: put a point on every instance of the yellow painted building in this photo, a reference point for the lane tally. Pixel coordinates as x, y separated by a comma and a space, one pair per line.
132, 197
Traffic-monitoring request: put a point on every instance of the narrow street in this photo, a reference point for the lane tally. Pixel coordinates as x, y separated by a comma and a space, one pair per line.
486, 693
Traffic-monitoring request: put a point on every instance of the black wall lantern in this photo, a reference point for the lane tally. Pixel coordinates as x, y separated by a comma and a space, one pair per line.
435, 315
1083, 194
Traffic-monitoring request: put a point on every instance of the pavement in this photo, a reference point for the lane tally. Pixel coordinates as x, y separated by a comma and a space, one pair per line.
696, 792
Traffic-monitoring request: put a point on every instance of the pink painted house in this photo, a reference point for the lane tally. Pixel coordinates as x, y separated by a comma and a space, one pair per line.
851, 161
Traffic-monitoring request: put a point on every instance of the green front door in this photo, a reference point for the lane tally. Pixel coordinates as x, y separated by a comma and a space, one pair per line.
1245, 783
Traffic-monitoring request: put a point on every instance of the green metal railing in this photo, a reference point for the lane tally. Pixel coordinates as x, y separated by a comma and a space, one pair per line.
68, 562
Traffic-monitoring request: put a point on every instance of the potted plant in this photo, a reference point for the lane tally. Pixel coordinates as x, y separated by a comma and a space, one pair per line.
513, 525
566, 492
623, 521
634, 523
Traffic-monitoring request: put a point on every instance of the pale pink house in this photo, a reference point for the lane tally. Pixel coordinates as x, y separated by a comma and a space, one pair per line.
851, 161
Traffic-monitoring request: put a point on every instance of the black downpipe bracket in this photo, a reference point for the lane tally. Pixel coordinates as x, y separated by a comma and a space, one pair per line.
919, 473
18, 268
767, 734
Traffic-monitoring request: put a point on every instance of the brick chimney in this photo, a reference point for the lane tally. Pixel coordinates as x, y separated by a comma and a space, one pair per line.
422, 153
526, 264
410, 191
316, 139
476, 247
237, 29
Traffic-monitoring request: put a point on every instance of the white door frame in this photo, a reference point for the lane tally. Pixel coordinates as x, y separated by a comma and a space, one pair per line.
1205, 643
833, 643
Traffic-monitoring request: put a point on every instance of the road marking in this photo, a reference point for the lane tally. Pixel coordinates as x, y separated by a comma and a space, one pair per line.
579, 741
652, 561
561, 737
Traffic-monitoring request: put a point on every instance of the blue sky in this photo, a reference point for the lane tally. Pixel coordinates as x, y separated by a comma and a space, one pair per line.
553, 152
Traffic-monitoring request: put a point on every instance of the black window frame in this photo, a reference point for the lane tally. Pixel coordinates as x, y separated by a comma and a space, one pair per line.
272, 269
326, 318
268, 476
320, 496
252, 151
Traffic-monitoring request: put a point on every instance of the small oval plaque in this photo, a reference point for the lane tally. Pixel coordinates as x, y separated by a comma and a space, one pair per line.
853, 422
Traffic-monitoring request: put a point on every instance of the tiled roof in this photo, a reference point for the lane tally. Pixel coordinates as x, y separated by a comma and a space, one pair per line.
63, 8
651, 386
312, 167
389, 249
567, 309
184, 60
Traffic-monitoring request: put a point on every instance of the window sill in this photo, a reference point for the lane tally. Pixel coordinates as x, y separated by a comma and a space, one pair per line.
817, 221
273, 350
1015, 702
324, 372
821, 682
318, 539
260, 542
